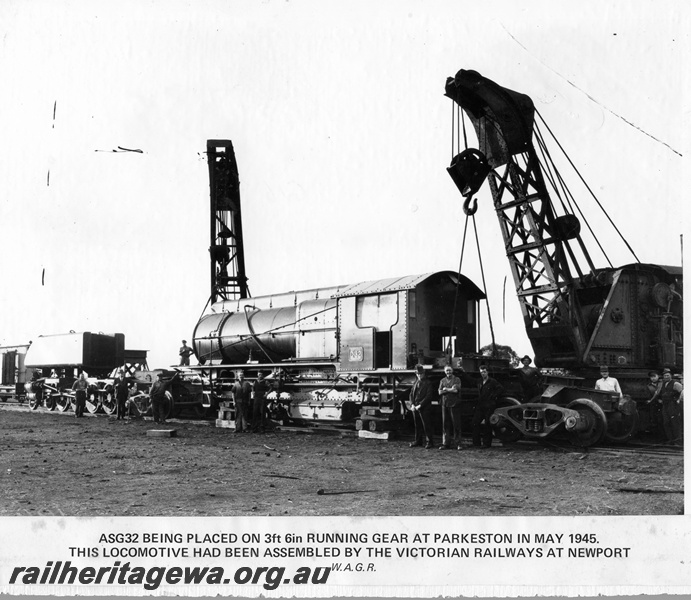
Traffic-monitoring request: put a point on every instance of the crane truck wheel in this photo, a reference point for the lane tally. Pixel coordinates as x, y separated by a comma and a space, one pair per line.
505, 431
592, 424
623, 424
62, 402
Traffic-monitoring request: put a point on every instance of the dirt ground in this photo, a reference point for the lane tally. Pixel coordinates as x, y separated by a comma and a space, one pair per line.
54, 464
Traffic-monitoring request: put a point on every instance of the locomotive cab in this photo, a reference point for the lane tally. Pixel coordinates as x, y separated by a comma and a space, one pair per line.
397, 323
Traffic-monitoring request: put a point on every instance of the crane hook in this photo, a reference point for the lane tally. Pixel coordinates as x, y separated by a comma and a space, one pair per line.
467, 209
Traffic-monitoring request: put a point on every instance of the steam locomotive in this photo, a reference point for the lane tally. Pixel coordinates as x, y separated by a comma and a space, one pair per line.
345, 354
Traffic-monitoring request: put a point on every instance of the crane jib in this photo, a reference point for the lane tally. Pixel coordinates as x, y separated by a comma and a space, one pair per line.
503, 119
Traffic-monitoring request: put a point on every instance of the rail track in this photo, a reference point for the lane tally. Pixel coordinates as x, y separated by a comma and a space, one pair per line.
635, 447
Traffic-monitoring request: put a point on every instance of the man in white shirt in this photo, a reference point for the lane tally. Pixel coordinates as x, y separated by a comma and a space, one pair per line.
607, 383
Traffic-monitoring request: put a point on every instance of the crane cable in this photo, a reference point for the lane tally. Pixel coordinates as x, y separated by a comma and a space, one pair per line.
455, 108
458, 285
548, 165
484, 285
602, 208
477, 243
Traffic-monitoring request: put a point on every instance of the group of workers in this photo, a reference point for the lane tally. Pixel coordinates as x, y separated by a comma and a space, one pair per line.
449, 391
123, 391
667, 393
250, 403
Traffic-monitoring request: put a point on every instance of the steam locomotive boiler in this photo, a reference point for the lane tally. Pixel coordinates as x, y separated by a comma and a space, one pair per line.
341, 353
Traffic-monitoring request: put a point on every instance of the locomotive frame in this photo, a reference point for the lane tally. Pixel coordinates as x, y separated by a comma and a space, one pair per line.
346, 355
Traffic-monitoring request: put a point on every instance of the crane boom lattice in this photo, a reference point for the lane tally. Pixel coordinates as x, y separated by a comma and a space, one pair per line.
228, 278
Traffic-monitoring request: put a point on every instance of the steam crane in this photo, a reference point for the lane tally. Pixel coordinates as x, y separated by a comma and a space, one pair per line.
228, 278
576, 316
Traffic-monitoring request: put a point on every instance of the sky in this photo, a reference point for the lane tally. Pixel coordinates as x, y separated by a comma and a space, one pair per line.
342, 136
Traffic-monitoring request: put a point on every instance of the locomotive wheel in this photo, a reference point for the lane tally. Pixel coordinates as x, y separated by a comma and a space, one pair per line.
132, 410
623, 424
198, 410
136, 406
34, 403
92, 402
140, 405
595, 419
50, 403
108, 401
62, 402
167, 407
507, 432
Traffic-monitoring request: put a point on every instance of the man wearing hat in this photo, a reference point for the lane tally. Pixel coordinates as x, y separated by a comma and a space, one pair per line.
121, 392
242, 391
607, 383
671, 394
260, 388
530, 379
490, 391
450, 395
653, 386
80, 388
421, 396
185, 353
157, 393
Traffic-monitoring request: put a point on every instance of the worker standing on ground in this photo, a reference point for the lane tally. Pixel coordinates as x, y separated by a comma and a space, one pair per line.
185, 353
450, 394
490, 392
530, 378
607, 383
421, 396
132, 408
80, 388
672, 394
121, 391
654, 385
260, 388
158, 396
241, 391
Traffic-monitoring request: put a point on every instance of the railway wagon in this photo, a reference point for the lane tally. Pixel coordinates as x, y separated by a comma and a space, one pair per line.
45, 370
55, 361
13, 376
